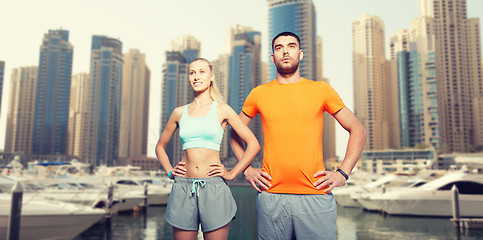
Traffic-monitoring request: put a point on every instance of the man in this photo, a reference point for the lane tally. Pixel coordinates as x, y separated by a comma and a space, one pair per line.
296, 201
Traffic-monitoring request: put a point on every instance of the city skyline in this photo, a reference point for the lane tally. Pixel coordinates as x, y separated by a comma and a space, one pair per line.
150, 31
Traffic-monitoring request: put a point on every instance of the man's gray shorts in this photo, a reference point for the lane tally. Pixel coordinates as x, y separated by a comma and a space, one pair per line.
296, 216
195, 201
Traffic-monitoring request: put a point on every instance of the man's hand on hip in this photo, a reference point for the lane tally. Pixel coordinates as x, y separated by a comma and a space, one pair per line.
331, 179
255, 176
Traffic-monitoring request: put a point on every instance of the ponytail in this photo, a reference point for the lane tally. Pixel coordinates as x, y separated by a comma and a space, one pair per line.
215, 93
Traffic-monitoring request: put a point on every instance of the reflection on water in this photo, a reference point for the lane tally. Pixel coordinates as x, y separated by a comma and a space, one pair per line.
352, 224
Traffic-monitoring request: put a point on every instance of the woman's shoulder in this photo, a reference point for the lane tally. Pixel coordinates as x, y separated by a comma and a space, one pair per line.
223, 106
178, 111
224, 109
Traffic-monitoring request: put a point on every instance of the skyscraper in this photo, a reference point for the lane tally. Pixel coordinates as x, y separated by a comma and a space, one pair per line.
221, 71
21, 110
414, 56
372, 81
100, 143
299, 17
328, 137
176, 89
52, 94
459, 72
245, 70
133, 137
78, 114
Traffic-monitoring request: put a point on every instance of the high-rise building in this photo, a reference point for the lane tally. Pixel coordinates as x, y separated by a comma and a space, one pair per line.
52, 94
399, 47
176, 90
245, 71
245, 68
133, 134
2, 73
459, 72
78, 113
328, 137
372, 81
299, 17
100, 142
414, 57
221, 71
478, 122
21, 110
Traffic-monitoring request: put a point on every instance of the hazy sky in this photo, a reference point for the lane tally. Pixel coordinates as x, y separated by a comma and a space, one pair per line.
149, 25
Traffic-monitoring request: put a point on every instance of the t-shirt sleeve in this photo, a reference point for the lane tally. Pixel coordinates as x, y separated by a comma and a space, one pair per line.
333, 103
250, 107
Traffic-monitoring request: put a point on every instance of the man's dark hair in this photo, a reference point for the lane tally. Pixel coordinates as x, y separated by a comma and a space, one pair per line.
286, 34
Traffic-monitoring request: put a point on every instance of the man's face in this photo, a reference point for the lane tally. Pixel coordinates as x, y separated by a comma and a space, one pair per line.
286, 54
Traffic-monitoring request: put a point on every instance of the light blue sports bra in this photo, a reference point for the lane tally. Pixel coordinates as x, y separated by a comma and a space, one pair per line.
204, 132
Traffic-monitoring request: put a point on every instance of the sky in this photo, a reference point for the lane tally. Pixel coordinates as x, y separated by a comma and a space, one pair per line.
150, 25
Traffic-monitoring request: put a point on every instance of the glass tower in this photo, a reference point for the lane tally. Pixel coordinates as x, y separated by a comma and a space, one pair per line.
52, 94
414, 54
101, 126
245, 68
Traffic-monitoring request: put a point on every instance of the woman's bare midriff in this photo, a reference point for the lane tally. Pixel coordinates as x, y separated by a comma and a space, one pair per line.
198, 161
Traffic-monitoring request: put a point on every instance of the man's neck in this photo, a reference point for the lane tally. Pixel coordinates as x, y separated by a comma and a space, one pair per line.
288, 79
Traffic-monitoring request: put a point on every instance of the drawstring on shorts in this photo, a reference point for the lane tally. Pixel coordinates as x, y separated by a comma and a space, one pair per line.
195, 187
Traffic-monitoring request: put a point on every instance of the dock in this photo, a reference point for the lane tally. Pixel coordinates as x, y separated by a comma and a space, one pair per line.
463, 223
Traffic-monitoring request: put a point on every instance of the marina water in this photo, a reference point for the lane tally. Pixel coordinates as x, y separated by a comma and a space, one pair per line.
352, 224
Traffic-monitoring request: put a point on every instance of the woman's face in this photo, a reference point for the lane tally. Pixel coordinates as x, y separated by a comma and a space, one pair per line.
200, 75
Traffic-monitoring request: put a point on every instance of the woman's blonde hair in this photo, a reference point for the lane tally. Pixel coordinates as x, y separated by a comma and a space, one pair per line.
214, 92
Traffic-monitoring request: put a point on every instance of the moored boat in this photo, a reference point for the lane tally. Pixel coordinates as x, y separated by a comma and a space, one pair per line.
48, 219
435, 198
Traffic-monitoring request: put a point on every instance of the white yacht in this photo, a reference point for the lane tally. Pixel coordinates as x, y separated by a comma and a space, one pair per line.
48, 219
371, 201
356, 181
435, 197
132, 179
158, 191
348, 197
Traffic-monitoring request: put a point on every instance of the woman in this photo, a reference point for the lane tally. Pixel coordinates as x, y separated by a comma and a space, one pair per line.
200, 195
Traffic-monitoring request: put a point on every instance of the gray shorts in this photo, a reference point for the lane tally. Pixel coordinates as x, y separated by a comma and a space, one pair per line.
296, 216
195, 201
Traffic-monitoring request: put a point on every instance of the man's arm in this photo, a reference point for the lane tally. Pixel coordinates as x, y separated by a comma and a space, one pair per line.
253, 175
357, 138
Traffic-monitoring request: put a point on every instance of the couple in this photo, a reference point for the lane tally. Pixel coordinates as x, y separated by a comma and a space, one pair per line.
294, 199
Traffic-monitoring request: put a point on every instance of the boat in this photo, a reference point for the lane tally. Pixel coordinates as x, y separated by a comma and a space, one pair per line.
371, 201
132, 179
157, 190
435, 197
356, 181
348, 197
48, 219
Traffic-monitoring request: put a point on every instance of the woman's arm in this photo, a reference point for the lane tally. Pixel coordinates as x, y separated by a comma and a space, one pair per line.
164, 139
242, 130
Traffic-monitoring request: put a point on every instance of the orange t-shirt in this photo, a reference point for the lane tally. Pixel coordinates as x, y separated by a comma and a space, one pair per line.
292, 120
